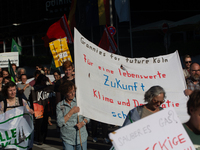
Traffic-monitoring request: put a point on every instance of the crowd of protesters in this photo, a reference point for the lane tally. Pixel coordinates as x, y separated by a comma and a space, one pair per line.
61, 103
61, 92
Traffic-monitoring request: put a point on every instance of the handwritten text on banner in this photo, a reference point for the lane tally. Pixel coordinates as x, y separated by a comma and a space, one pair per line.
109, 85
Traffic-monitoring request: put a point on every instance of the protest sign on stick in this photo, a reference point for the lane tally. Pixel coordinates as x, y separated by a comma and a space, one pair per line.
109, 85
16, 128
60, 51
13, 56
162, 130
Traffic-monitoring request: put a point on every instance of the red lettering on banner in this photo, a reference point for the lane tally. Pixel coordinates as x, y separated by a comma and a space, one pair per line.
132, 75
120, 72
165, 105
107, 70
173, 141
124, 74
154, 146
164, 75
98, 95
94, 92
124, 103
169, 103
181, 140
159, 74
87, 60
136, 103
163, 145
169, 143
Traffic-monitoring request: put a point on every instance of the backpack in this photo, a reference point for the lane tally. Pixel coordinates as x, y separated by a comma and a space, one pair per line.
5, 104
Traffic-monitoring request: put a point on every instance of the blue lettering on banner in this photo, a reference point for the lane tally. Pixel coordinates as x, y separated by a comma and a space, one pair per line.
142, 86
106, 80
117, 84
120, 115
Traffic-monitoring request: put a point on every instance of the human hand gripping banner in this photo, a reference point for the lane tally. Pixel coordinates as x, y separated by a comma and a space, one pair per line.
60, 51
109, 85
16, 128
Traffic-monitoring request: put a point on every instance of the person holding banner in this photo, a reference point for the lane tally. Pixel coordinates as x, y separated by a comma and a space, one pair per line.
154, 98
11, 101
72, 127
192, 127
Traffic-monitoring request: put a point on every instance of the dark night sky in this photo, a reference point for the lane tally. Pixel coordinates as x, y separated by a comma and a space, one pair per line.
147, 11
143, 12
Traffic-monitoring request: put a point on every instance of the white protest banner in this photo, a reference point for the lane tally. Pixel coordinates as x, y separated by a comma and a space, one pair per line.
109, 85
13, 56
16, 127
162, 130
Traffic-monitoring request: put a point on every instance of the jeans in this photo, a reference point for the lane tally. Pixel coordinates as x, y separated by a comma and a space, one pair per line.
67, 146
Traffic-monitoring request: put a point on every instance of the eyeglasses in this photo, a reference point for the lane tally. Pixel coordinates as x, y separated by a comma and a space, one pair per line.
156, 101
188, 62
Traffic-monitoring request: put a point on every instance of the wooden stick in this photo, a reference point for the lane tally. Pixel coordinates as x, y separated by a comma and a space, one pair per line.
80, 134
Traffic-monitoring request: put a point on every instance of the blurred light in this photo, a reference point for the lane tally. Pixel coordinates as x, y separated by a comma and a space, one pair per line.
16, 24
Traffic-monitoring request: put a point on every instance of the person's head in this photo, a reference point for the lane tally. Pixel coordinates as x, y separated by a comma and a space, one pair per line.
193, 109
195, 71
5, 73
187, 61
41, 80
14, 67
46, 70
57, 75
6, 79
36, 74
21, 71
68, 68
23, 78
68, 89
155, 96
9, 90
39, 67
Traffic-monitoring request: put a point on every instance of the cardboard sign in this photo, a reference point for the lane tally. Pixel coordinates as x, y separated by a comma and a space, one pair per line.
60, 51
13, 56
160, 131
109, 85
